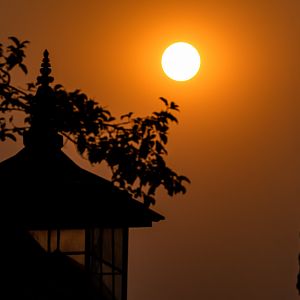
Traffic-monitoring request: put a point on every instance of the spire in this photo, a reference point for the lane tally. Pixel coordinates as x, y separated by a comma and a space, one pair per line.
43, 131
44, 79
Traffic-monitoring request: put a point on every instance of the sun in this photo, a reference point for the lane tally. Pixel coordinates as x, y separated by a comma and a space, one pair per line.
180, 61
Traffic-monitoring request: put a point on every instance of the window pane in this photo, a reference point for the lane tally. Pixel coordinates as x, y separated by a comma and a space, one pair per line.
72, 240
78, 258
118, 251
118, 287
107, 280
41, 236
107, 245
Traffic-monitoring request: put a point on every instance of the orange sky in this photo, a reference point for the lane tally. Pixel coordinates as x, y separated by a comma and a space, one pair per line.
234, 235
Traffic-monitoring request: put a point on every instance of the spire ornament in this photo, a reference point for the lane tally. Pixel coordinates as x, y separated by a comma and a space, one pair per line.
44, 79
43, 112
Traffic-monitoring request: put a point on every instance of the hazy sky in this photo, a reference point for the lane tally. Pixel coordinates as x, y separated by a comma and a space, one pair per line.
235, 234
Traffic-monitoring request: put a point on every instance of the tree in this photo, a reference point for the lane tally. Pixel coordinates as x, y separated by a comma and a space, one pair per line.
134, 148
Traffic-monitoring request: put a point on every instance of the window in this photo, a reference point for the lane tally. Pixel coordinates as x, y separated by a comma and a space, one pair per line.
103, 252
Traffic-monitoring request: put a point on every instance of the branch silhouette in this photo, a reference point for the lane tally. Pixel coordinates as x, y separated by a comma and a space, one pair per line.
133, 147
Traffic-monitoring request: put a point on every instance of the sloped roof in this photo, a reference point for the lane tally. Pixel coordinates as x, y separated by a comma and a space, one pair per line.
48, 189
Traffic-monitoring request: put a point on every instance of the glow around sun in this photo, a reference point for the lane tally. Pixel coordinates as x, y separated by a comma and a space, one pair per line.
180, 61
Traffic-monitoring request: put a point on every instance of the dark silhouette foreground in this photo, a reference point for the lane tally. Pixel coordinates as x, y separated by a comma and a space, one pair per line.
45, 197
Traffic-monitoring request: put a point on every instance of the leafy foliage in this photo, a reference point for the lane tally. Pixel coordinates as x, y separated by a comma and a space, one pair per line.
133, 147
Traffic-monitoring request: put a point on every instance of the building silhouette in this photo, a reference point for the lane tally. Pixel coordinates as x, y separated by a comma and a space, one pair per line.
64, 230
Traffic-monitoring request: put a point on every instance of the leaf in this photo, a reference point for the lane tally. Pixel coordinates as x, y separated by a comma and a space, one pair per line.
164, 100
81, 144
27, 119
58, 87
160, 148
148, 200
15, 40
126, 115
2, 136
11, 136
163, 138
184, 178
23, 44
30, 86
174, 106
23, 68
171, 117
152, 189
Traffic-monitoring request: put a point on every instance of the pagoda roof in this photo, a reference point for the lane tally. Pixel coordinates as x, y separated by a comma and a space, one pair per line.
48, 189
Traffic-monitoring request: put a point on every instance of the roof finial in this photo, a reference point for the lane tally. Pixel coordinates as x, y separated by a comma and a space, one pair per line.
43, 131
44, 79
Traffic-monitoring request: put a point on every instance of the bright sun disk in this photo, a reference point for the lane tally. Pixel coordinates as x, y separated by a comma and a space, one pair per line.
180, 61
